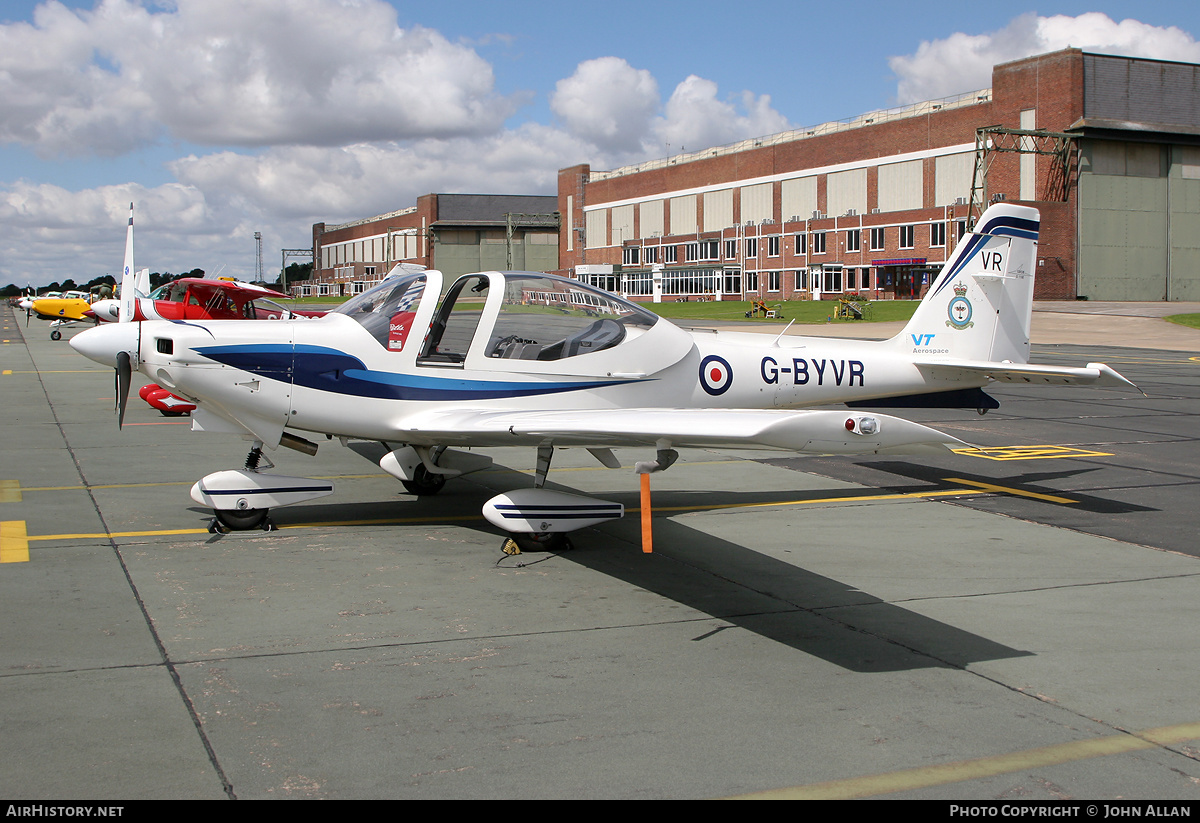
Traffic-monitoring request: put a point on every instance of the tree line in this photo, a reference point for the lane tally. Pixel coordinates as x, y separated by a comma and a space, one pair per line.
296, 272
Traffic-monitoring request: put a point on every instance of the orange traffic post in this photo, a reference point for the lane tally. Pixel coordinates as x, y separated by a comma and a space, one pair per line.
647, 538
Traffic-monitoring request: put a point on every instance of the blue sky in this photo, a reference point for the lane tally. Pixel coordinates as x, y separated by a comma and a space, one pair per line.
220, 118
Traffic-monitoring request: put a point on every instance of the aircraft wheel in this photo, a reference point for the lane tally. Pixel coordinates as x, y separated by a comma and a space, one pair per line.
56, 335
424, 482
238, 521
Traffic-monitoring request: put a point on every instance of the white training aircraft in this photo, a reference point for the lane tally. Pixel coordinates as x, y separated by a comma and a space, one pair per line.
519, 358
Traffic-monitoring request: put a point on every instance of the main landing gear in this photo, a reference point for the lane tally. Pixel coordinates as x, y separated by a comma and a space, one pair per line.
226, 521
424, 482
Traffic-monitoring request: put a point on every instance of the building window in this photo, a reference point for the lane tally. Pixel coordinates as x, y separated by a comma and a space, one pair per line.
851, 280
801, 244
710, 249
773, 247
866, 278
630, 255
877, 239
651, 255
906, 237
691, 252
801, 280
773, 279
733, 281
854, 240
752, 247
818, 243
831, 279
937, 234
960, 227
730, 249
751, 280
671, 254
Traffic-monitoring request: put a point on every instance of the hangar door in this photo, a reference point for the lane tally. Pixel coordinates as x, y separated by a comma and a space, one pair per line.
1139, 221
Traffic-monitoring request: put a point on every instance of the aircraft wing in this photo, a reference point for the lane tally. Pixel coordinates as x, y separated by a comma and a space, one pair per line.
813, 431
1094, 374
239, 287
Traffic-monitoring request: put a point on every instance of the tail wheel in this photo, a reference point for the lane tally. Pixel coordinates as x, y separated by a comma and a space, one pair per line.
424, 482
243, 520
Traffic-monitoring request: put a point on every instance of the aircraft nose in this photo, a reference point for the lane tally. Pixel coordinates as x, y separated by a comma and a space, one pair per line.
103, 343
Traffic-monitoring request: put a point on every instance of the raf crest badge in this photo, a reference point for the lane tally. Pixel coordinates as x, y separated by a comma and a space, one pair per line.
959, 309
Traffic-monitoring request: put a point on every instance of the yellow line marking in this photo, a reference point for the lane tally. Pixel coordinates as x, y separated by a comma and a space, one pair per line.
1028, 452
1009, 490
982, 767
979, 488
847, 499
375, 476
14, 544
10, 491
400, 521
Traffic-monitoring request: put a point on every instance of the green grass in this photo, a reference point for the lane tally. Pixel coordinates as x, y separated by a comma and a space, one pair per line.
802, 311
1192, 321
321, 300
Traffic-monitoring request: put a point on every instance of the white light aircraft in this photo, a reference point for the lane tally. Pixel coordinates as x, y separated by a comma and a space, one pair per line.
527, 359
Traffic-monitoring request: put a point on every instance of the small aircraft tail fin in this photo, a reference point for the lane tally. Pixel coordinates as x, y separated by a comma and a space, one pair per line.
981, 303
142, 283
128, 277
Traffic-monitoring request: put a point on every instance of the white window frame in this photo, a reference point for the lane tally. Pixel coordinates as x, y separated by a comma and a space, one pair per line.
937, 234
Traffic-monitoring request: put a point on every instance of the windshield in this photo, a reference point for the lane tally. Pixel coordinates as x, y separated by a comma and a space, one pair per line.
551, 318
387, 311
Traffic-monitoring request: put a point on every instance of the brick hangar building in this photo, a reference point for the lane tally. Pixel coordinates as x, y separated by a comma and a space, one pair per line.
1107, 148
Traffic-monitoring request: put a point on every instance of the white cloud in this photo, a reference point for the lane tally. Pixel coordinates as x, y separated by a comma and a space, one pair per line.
962, 62
695, 119
317, 184
608, 103
229, 72
52, 233
316, 115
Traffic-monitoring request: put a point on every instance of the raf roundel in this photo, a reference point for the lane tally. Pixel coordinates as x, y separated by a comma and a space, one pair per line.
715, 375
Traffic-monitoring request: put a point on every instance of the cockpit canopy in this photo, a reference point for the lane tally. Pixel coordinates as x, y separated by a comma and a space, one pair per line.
540, 317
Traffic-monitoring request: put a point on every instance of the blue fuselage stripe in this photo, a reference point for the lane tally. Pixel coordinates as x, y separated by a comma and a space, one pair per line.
330, 370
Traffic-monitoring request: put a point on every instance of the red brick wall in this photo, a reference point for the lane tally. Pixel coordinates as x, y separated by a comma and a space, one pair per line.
1052, 84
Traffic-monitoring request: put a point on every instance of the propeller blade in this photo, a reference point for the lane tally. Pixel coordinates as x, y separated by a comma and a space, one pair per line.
124, 371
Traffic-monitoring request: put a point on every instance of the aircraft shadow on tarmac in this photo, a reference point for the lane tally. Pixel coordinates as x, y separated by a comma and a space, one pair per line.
731, 583
880, 475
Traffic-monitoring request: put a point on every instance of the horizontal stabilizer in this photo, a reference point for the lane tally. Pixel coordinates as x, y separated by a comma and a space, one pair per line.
1094, 374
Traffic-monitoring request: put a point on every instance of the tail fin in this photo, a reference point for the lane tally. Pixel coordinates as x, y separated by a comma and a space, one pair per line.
980, 305
128, 277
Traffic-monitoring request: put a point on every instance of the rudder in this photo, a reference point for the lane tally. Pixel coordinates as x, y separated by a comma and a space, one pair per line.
981, 303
